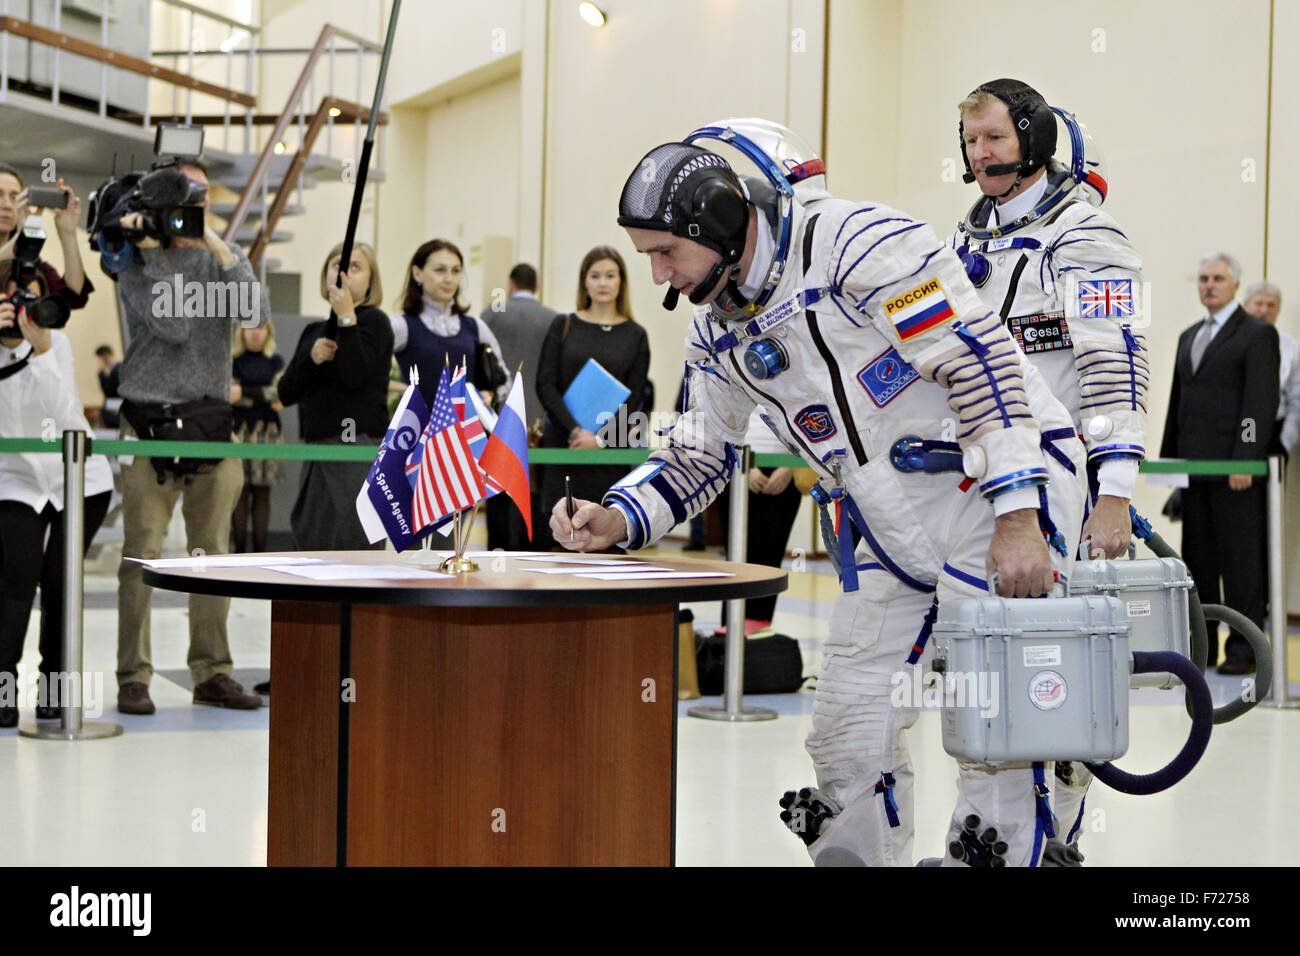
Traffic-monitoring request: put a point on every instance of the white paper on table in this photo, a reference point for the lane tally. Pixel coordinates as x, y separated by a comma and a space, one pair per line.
521, 555
604, 569
224, 561
652, 576
358, 572
1178, 480
586, 559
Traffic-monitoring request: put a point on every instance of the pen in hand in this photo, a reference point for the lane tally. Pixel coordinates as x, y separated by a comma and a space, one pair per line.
568, 500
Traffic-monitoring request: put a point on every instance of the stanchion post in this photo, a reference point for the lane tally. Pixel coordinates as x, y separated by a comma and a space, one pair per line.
1277, 589
69, 680
733, 686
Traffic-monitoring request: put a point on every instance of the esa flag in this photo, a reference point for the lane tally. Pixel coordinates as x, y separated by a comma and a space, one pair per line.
505, 460
384, 505
448, 478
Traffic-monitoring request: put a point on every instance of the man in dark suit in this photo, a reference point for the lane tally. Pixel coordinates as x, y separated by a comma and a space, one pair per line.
520, 323
1223, 406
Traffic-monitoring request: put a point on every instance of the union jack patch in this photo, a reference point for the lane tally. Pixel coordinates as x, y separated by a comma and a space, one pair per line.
1106, 298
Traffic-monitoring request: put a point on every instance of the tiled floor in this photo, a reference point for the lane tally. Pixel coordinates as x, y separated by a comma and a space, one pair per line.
188, 785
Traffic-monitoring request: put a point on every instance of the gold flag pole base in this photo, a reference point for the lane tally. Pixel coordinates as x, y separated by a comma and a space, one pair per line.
458, 563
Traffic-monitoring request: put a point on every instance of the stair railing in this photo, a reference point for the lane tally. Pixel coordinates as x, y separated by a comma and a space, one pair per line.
258, 179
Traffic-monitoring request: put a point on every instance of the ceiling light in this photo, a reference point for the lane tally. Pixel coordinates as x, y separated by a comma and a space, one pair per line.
279, 148
592, 14
335, 111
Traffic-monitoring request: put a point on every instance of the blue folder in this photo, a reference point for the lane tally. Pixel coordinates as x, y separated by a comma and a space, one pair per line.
594, 393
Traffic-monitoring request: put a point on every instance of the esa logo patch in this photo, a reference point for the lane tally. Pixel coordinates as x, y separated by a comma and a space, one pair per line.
885, 376
816, 422
1040, 333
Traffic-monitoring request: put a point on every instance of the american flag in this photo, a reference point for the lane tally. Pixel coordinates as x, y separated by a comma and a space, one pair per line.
449, 478
1106, 298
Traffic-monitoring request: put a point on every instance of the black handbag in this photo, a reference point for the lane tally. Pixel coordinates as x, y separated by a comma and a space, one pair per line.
773, 665
489, 373
208, 419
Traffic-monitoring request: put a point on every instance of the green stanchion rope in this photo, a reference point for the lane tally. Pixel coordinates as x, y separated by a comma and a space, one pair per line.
536, 456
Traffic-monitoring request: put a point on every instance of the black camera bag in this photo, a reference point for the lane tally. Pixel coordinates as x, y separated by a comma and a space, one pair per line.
207, 419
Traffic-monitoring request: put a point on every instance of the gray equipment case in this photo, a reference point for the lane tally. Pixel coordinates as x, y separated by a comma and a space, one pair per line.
1154, 592
1033, 678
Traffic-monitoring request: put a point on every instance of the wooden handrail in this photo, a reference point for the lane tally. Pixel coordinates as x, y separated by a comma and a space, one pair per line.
352, 111
277, 134
63, 41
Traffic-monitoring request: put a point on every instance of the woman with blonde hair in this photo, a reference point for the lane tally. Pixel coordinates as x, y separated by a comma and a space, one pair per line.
338, 378
255, 372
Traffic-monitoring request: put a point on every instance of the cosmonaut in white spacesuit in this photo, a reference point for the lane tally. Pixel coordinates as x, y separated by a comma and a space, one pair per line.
856, 332
1067, 283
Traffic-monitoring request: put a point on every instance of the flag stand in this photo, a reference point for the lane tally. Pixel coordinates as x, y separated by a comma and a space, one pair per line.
458, 563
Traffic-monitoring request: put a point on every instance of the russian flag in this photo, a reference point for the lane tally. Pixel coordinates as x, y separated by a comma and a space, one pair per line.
505, 459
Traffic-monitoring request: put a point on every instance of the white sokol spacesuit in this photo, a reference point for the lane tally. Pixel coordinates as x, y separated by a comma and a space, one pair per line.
869, 353
1067, 283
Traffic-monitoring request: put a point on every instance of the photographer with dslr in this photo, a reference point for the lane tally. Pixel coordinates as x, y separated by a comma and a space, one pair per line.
37, 387
175, 380
22, 242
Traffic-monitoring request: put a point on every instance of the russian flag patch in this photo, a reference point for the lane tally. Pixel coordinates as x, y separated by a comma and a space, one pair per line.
918, 310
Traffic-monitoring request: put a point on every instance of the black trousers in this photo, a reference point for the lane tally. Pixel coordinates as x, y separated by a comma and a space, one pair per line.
769, 522
26, 560
1224, 539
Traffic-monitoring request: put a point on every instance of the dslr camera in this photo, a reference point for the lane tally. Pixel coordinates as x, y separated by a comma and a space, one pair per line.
169, 204
49, 311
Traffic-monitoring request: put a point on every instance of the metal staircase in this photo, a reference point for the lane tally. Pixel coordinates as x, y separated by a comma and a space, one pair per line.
48, 106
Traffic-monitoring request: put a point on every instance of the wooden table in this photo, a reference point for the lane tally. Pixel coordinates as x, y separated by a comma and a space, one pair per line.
494, 718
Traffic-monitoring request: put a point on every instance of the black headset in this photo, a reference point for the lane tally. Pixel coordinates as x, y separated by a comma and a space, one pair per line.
1034, 122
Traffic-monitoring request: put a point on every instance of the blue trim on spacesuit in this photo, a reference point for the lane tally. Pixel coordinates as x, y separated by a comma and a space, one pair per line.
964, 577
638, 524
1110, 452
1043, 812
885, 785
1017, 479
840, 276
1048, 443
927, 626
861, 524
1074, 830
660, 484
1048, 527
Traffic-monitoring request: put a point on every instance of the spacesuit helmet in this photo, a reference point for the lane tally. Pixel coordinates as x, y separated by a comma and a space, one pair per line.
693, 192
786, 171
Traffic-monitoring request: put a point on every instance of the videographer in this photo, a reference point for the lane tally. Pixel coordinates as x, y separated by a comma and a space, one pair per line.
74, 286
175, 380
37, 387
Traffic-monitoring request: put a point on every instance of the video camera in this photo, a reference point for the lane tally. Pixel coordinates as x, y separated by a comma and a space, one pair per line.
169, 203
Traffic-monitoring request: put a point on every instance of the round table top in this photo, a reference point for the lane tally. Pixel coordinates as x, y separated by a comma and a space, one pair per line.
504, 579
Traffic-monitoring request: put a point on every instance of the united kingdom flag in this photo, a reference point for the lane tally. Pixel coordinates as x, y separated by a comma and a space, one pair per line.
1106, 298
